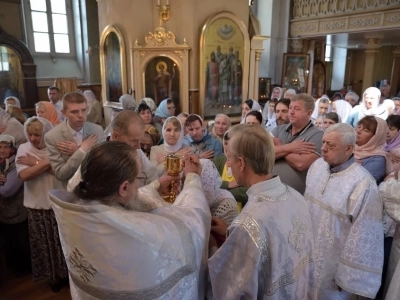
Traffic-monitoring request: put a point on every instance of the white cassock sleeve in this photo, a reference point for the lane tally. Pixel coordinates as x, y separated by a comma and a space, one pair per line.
390, 192
361, 260
234, 266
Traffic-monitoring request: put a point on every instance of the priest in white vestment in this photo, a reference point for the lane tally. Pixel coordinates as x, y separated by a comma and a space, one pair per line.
346, 211
390, 191
123, 244
268, 251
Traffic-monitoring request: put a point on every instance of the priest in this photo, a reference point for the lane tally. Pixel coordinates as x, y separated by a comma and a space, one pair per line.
123, 244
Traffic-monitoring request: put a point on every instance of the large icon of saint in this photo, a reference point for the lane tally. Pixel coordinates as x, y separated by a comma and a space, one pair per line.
162, 82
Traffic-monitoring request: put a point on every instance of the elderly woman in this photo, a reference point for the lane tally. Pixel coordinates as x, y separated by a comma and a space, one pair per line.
12, 101
151, 138
322, 107
392, 144
95, 113
33, 167
127, 102
172, 133
371, 105
370, 138
13, 214
330, 119
220, 126
45, 109
342, 108
115, 241
352, 98
247, 106
11, 126
289, 94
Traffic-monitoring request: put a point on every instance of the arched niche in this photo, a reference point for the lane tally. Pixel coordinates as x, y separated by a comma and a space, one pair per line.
224, 35
20, 75
112, 65
160, 46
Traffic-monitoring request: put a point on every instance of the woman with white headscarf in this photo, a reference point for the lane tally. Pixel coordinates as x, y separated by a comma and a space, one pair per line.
11, 126
342, 108
247, 106
12, 101
277, 93
33, 167
370, 105
127, 102
150, 103
173, 136
95, 114
322, 107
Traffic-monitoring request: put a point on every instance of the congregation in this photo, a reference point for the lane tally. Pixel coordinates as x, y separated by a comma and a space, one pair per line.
298, 201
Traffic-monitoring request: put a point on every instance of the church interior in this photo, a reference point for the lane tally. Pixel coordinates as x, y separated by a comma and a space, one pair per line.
180, 49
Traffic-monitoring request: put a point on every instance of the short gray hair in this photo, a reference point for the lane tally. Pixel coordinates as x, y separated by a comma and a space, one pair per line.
307, 99
353, 96
346, 132
228, 120
254, 144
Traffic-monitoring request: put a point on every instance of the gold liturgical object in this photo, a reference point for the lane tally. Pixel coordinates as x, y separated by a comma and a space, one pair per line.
173, 166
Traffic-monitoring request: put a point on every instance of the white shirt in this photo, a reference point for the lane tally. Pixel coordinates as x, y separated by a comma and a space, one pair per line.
77, 135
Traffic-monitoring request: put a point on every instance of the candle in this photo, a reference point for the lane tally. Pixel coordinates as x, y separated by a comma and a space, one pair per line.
158, 2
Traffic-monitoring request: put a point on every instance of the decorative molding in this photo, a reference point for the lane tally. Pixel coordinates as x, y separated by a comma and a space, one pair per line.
332, 25
297, 46
306, 9
393, 18
388, 19
258, 55
364, 22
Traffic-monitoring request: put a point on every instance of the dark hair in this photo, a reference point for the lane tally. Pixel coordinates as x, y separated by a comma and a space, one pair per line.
393, 121
332, 116
143, 107
284, 101
249, 103
52, 88
103, 170
273, 100
257, 114
369, 122
191, 119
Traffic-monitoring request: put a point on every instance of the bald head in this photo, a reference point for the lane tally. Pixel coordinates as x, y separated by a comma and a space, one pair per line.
125, 119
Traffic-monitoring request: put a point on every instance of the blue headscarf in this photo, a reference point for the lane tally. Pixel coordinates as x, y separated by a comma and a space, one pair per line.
162, 110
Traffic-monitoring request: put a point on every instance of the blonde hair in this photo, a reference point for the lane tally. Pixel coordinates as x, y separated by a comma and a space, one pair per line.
254, 144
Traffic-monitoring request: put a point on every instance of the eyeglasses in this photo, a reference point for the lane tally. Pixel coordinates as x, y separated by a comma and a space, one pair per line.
142, 178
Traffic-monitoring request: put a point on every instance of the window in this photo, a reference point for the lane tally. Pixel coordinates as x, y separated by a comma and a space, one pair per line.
51, 23
4, 61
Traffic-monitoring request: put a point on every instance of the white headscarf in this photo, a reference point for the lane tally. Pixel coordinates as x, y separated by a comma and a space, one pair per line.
127, 102
280, 92
90, 97
179, 143
377, 109
17, 102
343, 109
254, 106
315, 115
46, 128
150, 103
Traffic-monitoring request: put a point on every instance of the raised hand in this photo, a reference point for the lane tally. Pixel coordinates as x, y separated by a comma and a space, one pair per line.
27, 160
207, 154
67, 147
89, 142
192, 165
